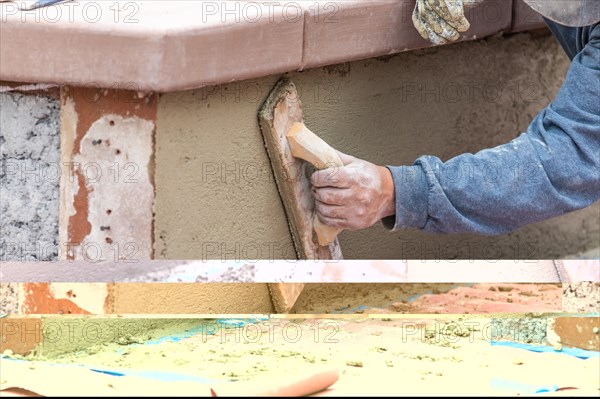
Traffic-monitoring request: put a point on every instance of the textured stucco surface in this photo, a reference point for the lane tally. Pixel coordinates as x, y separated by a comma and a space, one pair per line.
190, 298
215, 195
29, 177
63, 336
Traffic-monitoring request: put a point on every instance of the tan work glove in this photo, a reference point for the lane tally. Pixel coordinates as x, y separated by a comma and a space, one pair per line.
441, 21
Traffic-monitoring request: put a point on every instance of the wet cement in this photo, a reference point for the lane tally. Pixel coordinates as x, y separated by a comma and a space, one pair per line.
428, 298
376, 356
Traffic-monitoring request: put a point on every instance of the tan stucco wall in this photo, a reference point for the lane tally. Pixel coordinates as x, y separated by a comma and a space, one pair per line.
364, 109
200, 215
191, 298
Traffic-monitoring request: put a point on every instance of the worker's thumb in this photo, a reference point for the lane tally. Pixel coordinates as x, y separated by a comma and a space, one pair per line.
346, 159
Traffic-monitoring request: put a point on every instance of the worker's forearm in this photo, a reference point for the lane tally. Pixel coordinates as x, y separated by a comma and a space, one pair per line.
551, 169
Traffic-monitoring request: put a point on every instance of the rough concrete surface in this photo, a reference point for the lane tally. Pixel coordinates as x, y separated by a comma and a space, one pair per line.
65, 336
215, 195
408, 298
581, 297
9, 298
254, 298
29, 177
527, 330
375, 357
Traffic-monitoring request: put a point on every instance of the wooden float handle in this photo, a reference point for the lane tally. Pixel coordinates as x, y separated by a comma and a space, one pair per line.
308, 146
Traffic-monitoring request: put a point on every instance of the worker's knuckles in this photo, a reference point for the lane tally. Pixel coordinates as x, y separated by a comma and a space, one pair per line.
334, 212
341, 177
349, 220
360, 213
362, 198
330, 196
353, 215
344, 176
325, 177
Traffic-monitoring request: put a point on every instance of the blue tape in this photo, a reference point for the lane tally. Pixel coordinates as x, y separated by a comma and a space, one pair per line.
158, 375
113, 373
208, 328
514, 386
201, 329
576, 352
239, 322
148, 374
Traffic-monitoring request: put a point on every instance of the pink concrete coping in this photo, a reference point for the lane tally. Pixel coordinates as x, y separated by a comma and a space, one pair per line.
525, 18
174, 45
304, 271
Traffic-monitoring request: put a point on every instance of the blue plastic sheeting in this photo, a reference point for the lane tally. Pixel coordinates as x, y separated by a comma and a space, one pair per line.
202, 329
113, 373
576, 352
211, 327
154, 375
513, 386
208, 328
158, 375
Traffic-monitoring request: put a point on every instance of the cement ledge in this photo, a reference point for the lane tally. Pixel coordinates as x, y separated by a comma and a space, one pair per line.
176, 45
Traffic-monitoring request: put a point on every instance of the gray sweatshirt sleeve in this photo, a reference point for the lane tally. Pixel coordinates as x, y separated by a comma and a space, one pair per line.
551, 169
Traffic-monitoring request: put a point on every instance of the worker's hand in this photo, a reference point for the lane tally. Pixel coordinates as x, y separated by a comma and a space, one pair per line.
441, 21
355, 196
